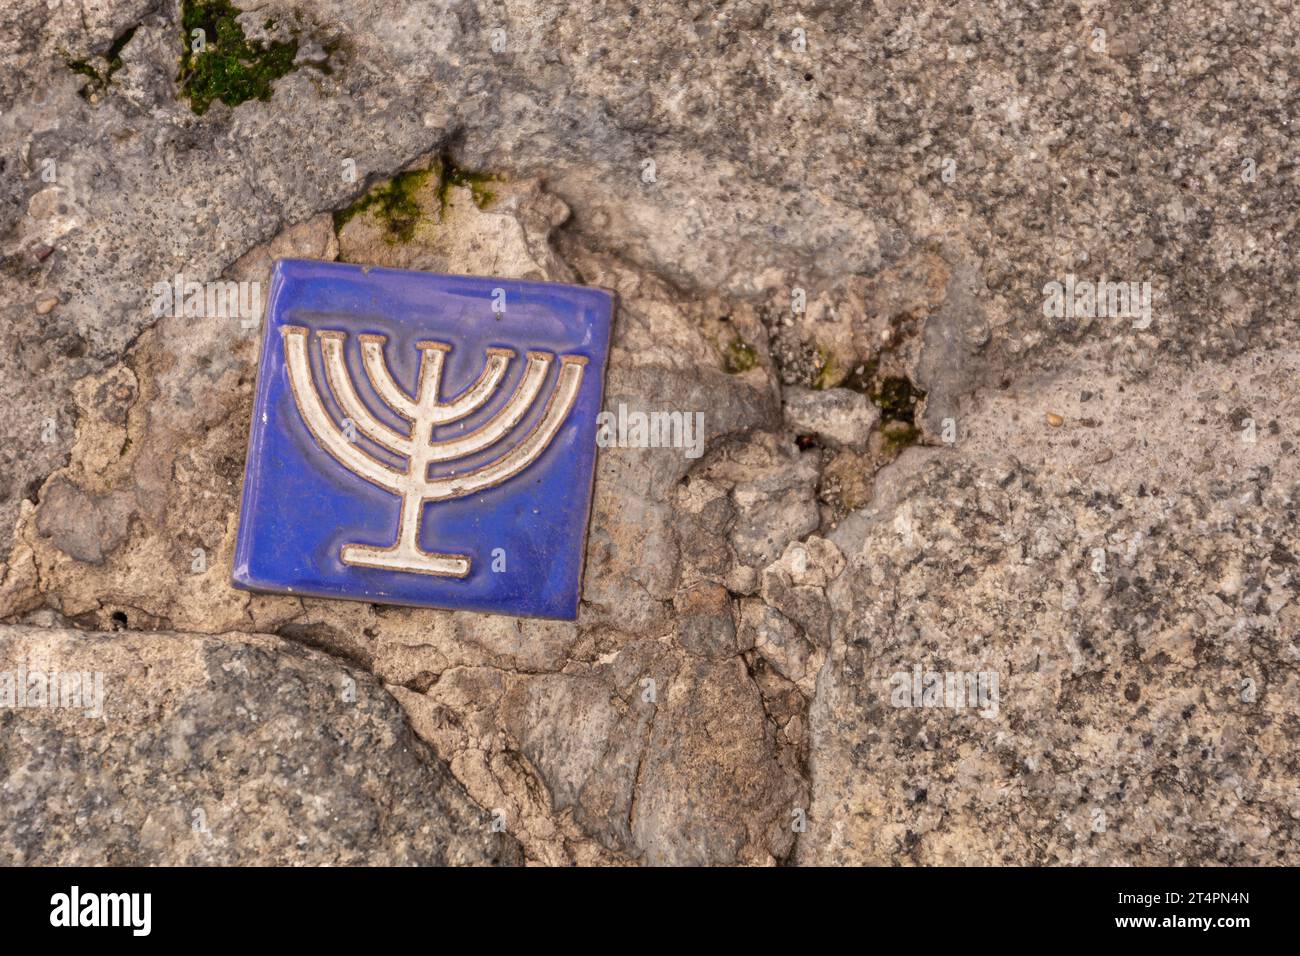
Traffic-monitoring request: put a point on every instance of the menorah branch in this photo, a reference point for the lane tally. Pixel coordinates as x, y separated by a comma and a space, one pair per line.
504, 421
528, 450
372, 356
340, 383
322, 427
478, 394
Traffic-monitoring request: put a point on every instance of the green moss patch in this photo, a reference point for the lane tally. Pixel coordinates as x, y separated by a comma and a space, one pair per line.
738, 357
397, 205
449, 175
231, 68
100, 77
899, 436
862, 377
894, 395
394, 204
897, 398
828, 372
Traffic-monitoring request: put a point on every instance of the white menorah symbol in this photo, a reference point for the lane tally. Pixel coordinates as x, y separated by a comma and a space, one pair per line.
424, 411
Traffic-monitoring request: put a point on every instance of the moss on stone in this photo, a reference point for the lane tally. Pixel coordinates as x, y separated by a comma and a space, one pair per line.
897, 398
862, 376
99, 79
828, 373
894, 395
397, 205
738, 357
449, 175
898, 438
394, 204
84, 68
231, 68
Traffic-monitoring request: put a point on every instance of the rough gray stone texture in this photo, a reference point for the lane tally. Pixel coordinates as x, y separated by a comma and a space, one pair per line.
229, 750
837, 415
877, 211
1131, 577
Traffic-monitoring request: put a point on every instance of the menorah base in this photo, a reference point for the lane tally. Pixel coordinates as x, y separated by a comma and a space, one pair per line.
406, 558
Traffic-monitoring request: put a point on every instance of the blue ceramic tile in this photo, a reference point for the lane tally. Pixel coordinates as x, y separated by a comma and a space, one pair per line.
423, 439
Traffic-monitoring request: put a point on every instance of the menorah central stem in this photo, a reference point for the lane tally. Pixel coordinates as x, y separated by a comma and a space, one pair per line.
408, 528
406, 554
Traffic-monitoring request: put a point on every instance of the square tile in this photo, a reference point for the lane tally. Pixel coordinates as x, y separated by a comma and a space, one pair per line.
423, 439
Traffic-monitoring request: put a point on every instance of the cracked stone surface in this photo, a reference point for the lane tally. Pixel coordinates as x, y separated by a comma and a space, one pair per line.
836, 249
1130, 577
220, 749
